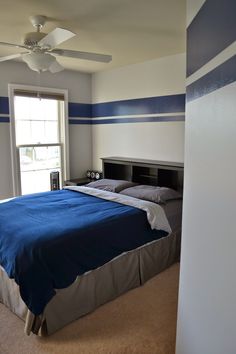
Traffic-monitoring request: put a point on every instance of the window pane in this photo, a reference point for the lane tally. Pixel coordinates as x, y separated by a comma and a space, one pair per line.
51, 132
35, 108
36, 181
36, 164
23, 132
37, 132
21, 105
36, 121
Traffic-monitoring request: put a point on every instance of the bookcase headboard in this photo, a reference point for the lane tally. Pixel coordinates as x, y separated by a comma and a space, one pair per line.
152, 172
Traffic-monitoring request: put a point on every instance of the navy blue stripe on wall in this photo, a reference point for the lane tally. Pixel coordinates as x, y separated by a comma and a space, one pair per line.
79, 121
149, 105
221, 76
4, 105
140, 106
79, 110
4, 120
211, 31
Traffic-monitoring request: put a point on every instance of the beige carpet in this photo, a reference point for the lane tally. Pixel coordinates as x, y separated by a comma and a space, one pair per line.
140, 321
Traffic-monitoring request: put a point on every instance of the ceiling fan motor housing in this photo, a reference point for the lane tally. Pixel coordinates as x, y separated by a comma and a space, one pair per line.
38, 21
32, 38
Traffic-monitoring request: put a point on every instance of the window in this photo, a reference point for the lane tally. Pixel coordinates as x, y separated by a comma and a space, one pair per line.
39, 139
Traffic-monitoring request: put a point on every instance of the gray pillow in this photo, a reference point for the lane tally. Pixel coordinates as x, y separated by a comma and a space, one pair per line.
111, 185
152, 193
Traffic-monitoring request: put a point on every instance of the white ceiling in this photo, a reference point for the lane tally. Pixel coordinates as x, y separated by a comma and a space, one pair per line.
131, 31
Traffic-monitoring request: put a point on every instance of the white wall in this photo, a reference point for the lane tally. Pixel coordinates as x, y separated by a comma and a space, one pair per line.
78, 84
79, 91
159, 140
207, 309
192, 9
139, 140
5, 162
159, 77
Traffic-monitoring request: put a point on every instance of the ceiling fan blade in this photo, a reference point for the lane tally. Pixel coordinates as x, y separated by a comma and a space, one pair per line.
13, 45
56, 37
55, 67
9, 57
103, 58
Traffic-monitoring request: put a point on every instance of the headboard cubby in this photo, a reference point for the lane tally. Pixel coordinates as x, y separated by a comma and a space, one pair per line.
143, 171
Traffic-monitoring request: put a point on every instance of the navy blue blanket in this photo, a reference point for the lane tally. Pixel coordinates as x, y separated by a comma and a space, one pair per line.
47, 239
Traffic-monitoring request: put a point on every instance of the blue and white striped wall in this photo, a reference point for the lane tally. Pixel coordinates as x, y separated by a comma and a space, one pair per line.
75, 110
136, 116
151, 109
207, 311
166, 106
139, 111
4, 110
211, 41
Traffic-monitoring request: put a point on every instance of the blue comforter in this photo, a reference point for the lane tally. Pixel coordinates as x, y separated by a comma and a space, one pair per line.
47, 239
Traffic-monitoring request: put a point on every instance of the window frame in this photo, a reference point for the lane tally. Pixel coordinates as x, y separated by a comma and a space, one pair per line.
63, 128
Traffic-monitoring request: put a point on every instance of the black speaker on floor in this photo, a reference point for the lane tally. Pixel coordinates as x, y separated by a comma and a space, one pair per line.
54, 180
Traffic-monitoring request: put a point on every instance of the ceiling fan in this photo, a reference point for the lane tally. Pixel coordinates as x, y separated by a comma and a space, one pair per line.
40, 54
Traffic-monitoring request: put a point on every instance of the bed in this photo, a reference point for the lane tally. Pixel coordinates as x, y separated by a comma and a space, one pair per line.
137, 240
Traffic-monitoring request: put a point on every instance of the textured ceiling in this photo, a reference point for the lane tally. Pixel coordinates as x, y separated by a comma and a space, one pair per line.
132, 31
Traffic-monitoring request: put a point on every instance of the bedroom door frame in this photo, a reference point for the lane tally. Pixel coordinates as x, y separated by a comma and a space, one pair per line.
64, 132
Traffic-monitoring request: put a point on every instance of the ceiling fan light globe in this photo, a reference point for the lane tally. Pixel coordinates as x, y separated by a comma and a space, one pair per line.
39, 61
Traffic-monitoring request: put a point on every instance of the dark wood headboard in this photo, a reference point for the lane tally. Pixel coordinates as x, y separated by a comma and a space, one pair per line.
157, 173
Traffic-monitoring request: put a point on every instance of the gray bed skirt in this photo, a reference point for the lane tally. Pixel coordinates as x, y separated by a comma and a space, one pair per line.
94, 288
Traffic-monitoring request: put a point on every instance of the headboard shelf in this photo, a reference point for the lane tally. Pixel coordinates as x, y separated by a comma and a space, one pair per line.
152, 172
